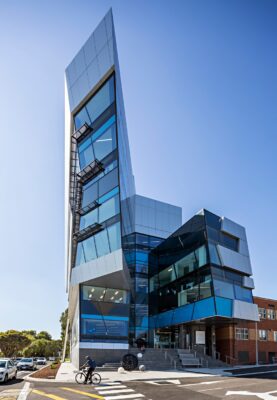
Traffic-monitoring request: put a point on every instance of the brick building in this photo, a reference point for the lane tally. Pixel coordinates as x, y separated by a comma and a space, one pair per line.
238, 341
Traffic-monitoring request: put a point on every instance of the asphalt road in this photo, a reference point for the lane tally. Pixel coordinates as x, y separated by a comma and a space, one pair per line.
202, 388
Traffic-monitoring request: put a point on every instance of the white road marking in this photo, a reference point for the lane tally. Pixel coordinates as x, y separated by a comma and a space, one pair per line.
110, 387
126, 396
162, 382
24, 392
263, 396
116, 391
204, 383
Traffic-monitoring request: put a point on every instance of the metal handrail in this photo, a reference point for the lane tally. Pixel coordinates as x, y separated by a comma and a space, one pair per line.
171, 359
233, 360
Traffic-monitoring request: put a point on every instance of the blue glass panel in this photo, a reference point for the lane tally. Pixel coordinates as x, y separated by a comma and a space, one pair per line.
223, 289
114, 234
102, 243
89, 219
101, 101
109, 209
142, 257
105, 317
101, 327
204, 308
103, 128
243, 294
108, 195
81, 118
80, 257
183, 314
223, 307
89, 249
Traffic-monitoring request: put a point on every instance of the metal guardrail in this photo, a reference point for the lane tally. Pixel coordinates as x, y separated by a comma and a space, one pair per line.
231, 360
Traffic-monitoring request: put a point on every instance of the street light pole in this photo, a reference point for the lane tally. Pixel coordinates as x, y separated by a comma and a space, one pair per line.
257, 350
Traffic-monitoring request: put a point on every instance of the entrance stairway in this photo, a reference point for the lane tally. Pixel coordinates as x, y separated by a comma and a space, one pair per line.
189, 358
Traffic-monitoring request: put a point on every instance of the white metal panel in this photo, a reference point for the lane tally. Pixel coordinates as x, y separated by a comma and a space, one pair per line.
244, 310
233, 228
234, 260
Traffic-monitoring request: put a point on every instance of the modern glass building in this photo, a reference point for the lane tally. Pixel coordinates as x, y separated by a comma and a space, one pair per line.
128, 274
106, 266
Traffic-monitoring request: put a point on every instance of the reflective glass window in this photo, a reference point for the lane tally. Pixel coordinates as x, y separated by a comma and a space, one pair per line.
80, 256
102, 243
262, 313
104, 327
166, 276
223, 289
90, 194
89, 219
105, 144
189, 293
205, 286
214, 258
108, 182
81, 118
108, 195
201, 256
114, 236
101, 101
109, 208
86, 156
243, 294
89, 249
186, 265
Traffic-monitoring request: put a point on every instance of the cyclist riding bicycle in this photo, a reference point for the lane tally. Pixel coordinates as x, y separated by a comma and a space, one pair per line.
91, 365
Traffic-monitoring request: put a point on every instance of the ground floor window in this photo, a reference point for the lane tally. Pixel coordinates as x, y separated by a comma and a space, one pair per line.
242, 333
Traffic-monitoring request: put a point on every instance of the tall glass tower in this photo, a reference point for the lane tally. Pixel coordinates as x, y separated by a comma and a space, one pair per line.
103, 213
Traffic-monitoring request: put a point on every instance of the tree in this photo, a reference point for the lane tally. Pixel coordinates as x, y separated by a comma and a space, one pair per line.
12, 342
63, 321
36, 349
31, 332
53, 348
44, 335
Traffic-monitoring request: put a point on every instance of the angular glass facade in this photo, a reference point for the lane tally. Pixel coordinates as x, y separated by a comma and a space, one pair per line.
128, 274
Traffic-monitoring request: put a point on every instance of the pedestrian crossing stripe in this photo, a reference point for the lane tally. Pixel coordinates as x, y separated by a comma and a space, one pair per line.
110, 387
49, 395
125, 396
115, 391
95, 396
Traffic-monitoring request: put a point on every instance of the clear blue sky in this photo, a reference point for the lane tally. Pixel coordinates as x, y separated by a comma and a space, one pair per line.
200, 87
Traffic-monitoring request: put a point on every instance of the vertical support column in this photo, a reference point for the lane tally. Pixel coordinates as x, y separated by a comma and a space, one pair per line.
213, 338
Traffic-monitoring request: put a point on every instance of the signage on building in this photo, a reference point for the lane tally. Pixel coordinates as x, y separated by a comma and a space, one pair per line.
200, 337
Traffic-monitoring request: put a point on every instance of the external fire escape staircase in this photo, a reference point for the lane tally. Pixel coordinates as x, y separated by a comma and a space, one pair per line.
77, 180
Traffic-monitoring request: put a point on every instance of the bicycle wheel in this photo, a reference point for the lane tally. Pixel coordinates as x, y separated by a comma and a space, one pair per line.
80, 377
96, 379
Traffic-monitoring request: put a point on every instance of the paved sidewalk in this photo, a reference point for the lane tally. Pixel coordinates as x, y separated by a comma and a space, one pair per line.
66, 374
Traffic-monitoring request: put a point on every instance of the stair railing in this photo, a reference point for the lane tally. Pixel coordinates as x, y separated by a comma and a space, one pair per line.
171, 359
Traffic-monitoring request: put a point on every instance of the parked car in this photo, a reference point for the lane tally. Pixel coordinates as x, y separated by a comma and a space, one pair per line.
52, 358
16, 360
7, 370
41, 361
27, 363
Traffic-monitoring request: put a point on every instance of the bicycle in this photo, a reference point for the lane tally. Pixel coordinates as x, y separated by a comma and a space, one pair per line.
94, 378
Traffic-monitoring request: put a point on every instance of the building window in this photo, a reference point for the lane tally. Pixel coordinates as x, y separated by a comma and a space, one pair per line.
262, 313
271, 314
96, 105
262, 334
275, 336
99, 144
242, 333
100, 244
